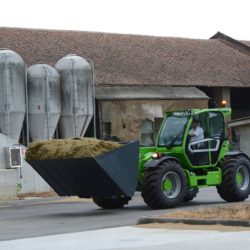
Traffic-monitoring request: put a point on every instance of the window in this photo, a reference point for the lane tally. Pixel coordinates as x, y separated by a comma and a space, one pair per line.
157, 125
106, 130
147, 132
173, 129
216, 124
202, 118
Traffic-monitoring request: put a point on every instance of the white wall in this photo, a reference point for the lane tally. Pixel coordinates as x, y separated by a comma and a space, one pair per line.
244, 132
18, 181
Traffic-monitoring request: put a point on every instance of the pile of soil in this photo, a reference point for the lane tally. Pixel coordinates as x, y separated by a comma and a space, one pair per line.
234, 212
40, 195
69, 148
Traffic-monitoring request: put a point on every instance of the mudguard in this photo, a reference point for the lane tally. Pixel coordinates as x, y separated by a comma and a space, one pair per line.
233, 153
154, 163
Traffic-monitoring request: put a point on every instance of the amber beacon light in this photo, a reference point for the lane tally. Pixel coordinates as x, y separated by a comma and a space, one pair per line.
224, 103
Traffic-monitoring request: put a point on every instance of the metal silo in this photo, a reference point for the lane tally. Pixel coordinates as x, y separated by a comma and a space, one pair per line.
76, 95
44, 106
12, 93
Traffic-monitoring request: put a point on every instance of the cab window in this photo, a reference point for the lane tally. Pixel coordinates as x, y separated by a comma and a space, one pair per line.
216, 125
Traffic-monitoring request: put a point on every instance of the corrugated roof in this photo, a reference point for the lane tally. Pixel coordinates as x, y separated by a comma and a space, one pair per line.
136, 60
148, 92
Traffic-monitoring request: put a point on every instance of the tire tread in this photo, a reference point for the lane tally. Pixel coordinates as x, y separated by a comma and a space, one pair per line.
151, 193
228, 189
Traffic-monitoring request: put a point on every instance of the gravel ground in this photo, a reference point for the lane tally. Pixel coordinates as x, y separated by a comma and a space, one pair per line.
229, 212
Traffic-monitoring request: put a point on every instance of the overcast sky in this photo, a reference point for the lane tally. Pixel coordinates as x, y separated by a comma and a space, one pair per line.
175, 18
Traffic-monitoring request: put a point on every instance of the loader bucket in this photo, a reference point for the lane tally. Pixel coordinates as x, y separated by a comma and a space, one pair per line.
110, 174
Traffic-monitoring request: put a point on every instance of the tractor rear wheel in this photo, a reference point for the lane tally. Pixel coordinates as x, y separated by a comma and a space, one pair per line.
191, 194
235, 184
165, 186
111, 202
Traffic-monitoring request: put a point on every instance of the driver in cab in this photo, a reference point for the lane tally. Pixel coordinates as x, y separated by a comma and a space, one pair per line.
196, 133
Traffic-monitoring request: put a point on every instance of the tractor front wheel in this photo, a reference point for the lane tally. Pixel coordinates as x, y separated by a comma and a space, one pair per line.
235, 179
111, 202
165, 186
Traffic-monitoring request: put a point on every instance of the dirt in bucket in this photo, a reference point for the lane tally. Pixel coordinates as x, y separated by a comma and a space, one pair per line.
69, 148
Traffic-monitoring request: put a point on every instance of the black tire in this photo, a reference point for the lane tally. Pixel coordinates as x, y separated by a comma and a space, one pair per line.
111, 202
153, 191
231, 189
191, 194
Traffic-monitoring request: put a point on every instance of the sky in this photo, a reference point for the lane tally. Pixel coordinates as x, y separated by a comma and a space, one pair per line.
169, 18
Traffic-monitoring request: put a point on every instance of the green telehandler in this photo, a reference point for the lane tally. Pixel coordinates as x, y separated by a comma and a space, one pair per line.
178, 166
171, 172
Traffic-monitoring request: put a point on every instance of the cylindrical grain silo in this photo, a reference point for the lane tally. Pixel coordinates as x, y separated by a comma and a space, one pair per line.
12, 93
76, 95
44, 105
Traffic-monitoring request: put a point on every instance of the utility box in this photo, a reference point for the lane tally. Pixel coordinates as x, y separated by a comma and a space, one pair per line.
13, 156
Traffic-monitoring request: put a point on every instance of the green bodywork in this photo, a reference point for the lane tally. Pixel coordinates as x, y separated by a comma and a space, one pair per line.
198, 175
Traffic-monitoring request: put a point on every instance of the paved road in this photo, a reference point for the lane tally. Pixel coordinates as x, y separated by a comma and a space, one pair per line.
127, 238
24, 221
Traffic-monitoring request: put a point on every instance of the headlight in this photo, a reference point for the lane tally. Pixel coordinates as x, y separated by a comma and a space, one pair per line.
156, 155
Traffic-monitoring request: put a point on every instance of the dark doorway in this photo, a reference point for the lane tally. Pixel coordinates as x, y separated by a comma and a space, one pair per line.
240, 102
209, 91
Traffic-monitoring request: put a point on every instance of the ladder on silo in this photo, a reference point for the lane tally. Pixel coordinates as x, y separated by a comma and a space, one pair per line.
74, 99
7, 99
47, 108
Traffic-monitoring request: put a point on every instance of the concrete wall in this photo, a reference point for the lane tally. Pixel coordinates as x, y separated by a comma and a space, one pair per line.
126, 116
7, 184
18, 181
28, 181
243, 133
7, 176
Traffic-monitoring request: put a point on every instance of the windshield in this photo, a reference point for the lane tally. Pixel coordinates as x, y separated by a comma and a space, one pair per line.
173, 129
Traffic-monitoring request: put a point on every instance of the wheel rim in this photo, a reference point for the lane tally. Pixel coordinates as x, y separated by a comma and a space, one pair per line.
171, 185
242, 177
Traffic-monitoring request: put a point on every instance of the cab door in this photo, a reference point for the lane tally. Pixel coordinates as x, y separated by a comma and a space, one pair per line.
198, 151
216, 133
206, 151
